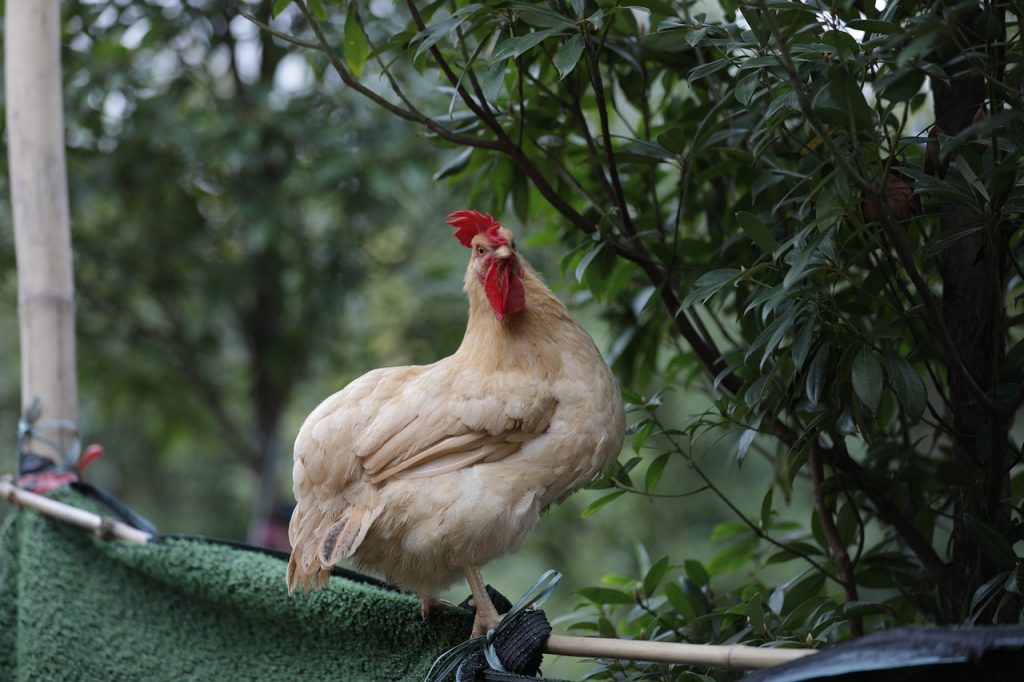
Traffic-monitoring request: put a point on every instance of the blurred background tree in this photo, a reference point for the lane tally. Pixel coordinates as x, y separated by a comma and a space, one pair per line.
793, 226
226, 219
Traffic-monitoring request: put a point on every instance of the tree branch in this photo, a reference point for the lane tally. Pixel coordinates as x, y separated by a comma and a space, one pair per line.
889, 512
835, 542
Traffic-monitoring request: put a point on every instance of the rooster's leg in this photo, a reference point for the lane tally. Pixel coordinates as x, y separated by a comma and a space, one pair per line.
486, 615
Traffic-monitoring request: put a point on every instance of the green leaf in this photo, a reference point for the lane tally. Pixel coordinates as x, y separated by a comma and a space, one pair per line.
796, 592
842, 41
996, 545
654, 471
679, 601
900, 87
796, 550
744, 442
846, 524
733, 557
654, 576
766, 509
707, 69
908, 386
874, 26
454, 165
695, 572
758, 62
784, 322
594, 506
802, 343
984, 595
747, 88
940, 245
936, 187
801, 261
356, 47
568, 55
316, 8
537, 15
643, 432
429, 36
846, 425
866, 374
727, 529
756, 230
598, 273
846, 91
777, 599
964, 166
585, 262
516, 46
494, 79
606, 595
755, 614
280, 6
817, 374
709, 283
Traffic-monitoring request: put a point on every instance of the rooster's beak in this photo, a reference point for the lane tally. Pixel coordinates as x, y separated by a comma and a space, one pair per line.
503, 253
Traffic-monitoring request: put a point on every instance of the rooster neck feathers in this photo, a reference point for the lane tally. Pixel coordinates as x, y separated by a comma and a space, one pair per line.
515, 322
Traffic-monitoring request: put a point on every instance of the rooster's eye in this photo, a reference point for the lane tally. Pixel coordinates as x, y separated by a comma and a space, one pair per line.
481, 250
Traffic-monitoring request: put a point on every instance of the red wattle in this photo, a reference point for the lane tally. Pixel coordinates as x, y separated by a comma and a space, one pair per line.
504, 289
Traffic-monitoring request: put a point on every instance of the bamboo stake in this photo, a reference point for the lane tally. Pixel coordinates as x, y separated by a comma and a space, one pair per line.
102, 526
733, 656
39, 200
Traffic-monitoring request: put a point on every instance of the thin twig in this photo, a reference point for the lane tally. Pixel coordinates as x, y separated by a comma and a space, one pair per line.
288, 38
835, 542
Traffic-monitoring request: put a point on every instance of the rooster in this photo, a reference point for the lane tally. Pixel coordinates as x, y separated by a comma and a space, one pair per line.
426, 473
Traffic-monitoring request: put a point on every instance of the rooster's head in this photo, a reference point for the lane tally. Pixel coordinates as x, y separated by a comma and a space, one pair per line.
494, 260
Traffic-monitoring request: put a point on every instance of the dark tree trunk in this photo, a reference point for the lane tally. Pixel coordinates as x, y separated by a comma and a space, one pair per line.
974, 275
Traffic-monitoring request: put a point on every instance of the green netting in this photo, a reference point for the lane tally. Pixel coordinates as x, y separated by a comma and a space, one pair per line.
75, 607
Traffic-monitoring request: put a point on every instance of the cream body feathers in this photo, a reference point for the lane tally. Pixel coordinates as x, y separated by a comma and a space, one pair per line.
419, 472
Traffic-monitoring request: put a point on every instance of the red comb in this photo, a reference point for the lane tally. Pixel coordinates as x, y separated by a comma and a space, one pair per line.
469, 224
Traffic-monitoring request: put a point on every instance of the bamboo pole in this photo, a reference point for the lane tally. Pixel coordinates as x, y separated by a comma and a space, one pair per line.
733, 656
39, 200
103, 526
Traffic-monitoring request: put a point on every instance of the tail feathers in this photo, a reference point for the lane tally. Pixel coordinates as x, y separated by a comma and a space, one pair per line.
316, 548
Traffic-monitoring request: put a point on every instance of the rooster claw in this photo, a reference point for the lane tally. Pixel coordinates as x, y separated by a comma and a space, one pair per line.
481, 624
485, 618
428, 604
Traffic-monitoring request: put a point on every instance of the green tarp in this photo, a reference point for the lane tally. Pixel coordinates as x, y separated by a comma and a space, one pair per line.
76, 607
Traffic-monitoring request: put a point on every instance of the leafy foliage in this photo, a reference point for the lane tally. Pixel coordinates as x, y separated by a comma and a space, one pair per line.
808, 210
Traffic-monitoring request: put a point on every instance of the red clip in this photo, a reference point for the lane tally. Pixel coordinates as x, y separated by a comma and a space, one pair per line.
91, 454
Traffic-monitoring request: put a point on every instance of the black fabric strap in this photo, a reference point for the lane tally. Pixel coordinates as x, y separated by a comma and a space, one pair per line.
520, 648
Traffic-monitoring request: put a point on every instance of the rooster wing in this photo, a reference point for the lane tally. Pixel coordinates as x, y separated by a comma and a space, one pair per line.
393, 424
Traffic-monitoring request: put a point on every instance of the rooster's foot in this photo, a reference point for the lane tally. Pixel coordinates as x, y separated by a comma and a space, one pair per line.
485, 619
